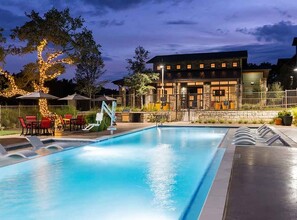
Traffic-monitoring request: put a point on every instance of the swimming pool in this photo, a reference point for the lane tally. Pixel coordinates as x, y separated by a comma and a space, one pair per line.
150, 174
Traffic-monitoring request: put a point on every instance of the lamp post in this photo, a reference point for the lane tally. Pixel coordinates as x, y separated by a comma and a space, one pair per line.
162, 80
162, 86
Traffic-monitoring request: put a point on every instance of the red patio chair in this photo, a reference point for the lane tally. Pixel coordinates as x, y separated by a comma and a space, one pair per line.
45, 125
67, 118
79, 122
28, 127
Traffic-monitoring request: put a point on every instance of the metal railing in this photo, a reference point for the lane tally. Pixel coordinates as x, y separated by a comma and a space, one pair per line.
174, 102
207, 101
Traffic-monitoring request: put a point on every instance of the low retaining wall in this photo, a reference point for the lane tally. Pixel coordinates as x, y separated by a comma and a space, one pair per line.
229, 116
202, 116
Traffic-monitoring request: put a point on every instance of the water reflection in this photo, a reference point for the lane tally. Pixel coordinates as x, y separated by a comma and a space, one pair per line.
161, 176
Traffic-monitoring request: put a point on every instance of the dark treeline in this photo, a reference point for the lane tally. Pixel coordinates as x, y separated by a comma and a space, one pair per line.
59, 88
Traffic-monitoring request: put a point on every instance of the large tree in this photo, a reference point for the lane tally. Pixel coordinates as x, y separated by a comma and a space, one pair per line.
57, 39
89, 70
139, 78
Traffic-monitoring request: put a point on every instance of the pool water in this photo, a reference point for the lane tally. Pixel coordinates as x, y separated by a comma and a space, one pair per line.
150, 174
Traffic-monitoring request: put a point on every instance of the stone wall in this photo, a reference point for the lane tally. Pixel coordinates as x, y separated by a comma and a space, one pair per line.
233, 116
196, 116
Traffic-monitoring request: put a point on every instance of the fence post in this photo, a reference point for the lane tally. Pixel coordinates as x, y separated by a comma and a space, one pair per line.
286, 98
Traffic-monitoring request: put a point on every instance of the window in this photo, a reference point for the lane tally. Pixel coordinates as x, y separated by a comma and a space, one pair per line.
234, 64
201, 65
178, 67
212, 65
218, 92
224, 65
168, 67
189, 66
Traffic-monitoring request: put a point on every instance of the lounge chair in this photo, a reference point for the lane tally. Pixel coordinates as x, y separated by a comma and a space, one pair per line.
99, 118
265, 131
21, 153
38, 144
274, 138
244, 140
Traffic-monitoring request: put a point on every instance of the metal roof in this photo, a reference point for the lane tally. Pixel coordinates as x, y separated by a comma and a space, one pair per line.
199, 56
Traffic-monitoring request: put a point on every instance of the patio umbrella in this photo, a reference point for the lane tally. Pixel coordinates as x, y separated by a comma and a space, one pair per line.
75, 96
72, 99
37, 95
104, 98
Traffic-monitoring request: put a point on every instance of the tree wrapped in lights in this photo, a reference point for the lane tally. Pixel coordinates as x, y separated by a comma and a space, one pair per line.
57, 39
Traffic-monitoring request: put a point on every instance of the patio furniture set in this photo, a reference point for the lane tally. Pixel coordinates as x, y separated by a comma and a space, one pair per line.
31, 125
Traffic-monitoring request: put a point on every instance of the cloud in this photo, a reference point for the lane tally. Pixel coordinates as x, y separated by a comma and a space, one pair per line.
119, 5
107, 59
181, 22
258, 53
221, 31
105, 23
282, 32
9, 20
283, 12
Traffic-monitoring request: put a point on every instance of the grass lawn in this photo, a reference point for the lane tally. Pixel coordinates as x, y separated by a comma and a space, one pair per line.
8, 132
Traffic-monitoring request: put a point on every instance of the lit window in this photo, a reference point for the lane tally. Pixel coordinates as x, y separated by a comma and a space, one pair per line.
189, 66
234, 64
201, 65
224, 65
168, 67
212, 65
178, 67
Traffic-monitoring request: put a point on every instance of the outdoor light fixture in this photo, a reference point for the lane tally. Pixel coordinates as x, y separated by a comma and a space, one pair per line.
162, 82
295, 69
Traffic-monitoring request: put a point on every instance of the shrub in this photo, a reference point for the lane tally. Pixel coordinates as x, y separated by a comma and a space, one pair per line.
221, 121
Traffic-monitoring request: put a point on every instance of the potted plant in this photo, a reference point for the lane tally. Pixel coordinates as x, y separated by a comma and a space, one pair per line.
287, 118
278, 121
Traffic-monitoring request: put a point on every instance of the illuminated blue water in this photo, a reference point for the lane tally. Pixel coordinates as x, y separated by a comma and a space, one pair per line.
151, 174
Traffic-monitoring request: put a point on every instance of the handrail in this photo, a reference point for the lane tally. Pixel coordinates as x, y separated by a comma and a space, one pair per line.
110, 112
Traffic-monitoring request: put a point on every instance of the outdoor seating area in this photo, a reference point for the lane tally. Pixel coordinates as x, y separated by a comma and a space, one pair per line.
31, 125
247, 136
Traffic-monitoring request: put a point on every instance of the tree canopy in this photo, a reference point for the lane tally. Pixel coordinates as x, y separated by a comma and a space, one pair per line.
89, 69
139, 78
57, 39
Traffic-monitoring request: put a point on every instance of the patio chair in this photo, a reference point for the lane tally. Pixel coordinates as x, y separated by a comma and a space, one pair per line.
99, 118
45, 125
79, 122
38, 144
22, 153
31, 118
28, 127
67, 118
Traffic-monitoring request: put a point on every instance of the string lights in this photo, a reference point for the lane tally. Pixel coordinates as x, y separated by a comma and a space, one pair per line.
44, 76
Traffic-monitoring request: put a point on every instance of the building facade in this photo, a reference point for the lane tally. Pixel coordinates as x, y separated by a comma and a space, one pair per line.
203, 81
206, 80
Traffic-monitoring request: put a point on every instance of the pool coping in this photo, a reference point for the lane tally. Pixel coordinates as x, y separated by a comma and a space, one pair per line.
214, 205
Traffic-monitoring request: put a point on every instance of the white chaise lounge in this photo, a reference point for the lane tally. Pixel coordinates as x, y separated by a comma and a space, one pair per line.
21, 153
38, 144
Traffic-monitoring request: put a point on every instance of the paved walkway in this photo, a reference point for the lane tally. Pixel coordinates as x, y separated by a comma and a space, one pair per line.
263, 183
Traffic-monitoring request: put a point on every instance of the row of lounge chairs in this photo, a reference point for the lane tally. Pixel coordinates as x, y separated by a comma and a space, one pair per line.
37, 145
245, 136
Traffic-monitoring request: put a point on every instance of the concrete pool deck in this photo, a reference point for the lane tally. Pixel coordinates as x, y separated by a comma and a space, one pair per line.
257, 182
